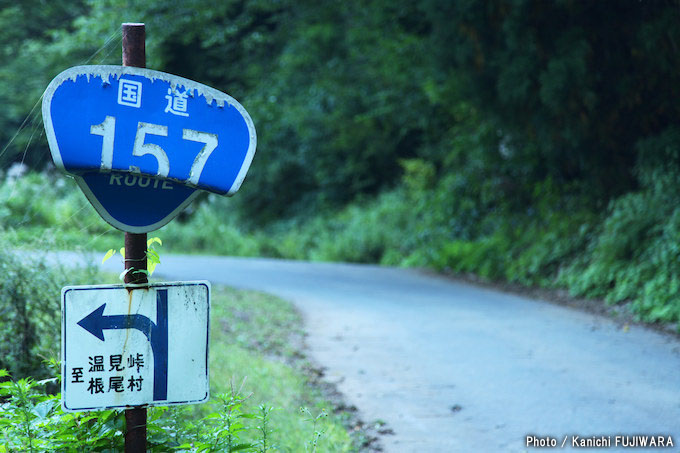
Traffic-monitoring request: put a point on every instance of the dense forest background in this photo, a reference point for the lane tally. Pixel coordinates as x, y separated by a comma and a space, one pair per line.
529, 141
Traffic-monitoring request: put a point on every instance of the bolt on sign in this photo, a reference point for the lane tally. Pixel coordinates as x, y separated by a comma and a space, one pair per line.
141, 143
124, 347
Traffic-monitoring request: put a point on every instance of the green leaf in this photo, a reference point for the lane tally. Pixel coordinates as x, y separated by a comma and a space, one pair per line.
42, 409
45, 381
153, 257
88, 418
108, 255
154, 240
152, 267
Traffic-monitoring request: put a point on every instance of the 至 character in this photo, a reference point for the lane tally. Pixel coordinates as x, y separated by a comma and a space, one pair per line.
77, 374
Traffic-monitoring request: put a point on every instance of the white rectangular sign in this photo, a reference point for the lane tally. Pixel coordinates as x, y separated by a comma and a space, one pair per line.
123, 347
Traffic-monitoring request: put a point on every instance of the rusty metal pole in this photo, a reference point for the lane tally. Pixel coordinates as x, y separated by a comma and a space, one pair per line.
134, 54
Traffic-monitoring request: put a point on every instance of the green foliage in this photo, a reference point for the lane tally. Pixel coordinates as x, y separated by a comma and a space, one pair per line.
265, 431
35, 37
318, 432
47, 211
214, 228
571, 86
356, 109
153, 259
527, 141
251, 334
228, 425
30, 310
32, 420
636, 257
361, 233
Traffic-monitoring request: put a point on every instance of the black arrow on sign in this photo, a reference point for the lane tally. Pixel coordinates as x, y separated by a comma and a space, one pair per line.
157, 334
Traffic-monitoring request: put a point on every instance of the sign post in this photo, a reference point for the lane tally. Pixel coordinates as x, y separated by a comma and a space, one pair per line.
140, 144
134, 54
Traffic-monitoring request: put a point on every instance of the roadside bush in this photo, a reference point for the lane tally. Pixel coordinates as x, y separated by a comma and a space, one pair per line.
636, 256
635, 259
529, 247
31, 419
213, 227
483, 257
617, 263
369, 232
30, 310
39, 199
48, 211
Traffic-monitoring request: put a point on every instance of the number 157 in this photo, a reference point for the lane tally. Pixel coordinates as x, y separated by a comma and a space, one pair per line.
107, 131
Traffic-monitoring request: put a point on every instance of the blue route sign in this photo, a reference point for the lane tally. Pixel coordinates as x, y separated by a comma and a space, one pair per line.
141, 142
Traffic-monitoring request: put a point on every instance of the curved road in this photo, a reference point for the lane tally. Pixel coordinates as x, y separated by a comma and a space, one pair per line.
450, 367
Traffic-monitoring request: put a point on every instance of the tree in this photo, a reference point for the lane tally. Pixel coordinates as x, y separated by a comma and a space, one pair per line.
26, 29
571, 86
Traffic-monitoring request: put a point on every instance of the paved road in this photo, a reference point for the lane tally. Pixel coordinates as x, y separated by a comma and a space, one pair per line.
455, 368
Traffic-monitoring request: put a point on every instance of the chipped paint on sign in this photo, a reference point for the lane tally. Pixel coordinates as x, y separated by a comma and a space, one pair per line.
83, 94
122, 132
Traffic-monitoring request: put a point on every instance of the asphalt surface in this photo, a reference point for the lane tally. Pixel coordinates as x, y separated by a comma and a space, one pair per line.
451, 367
